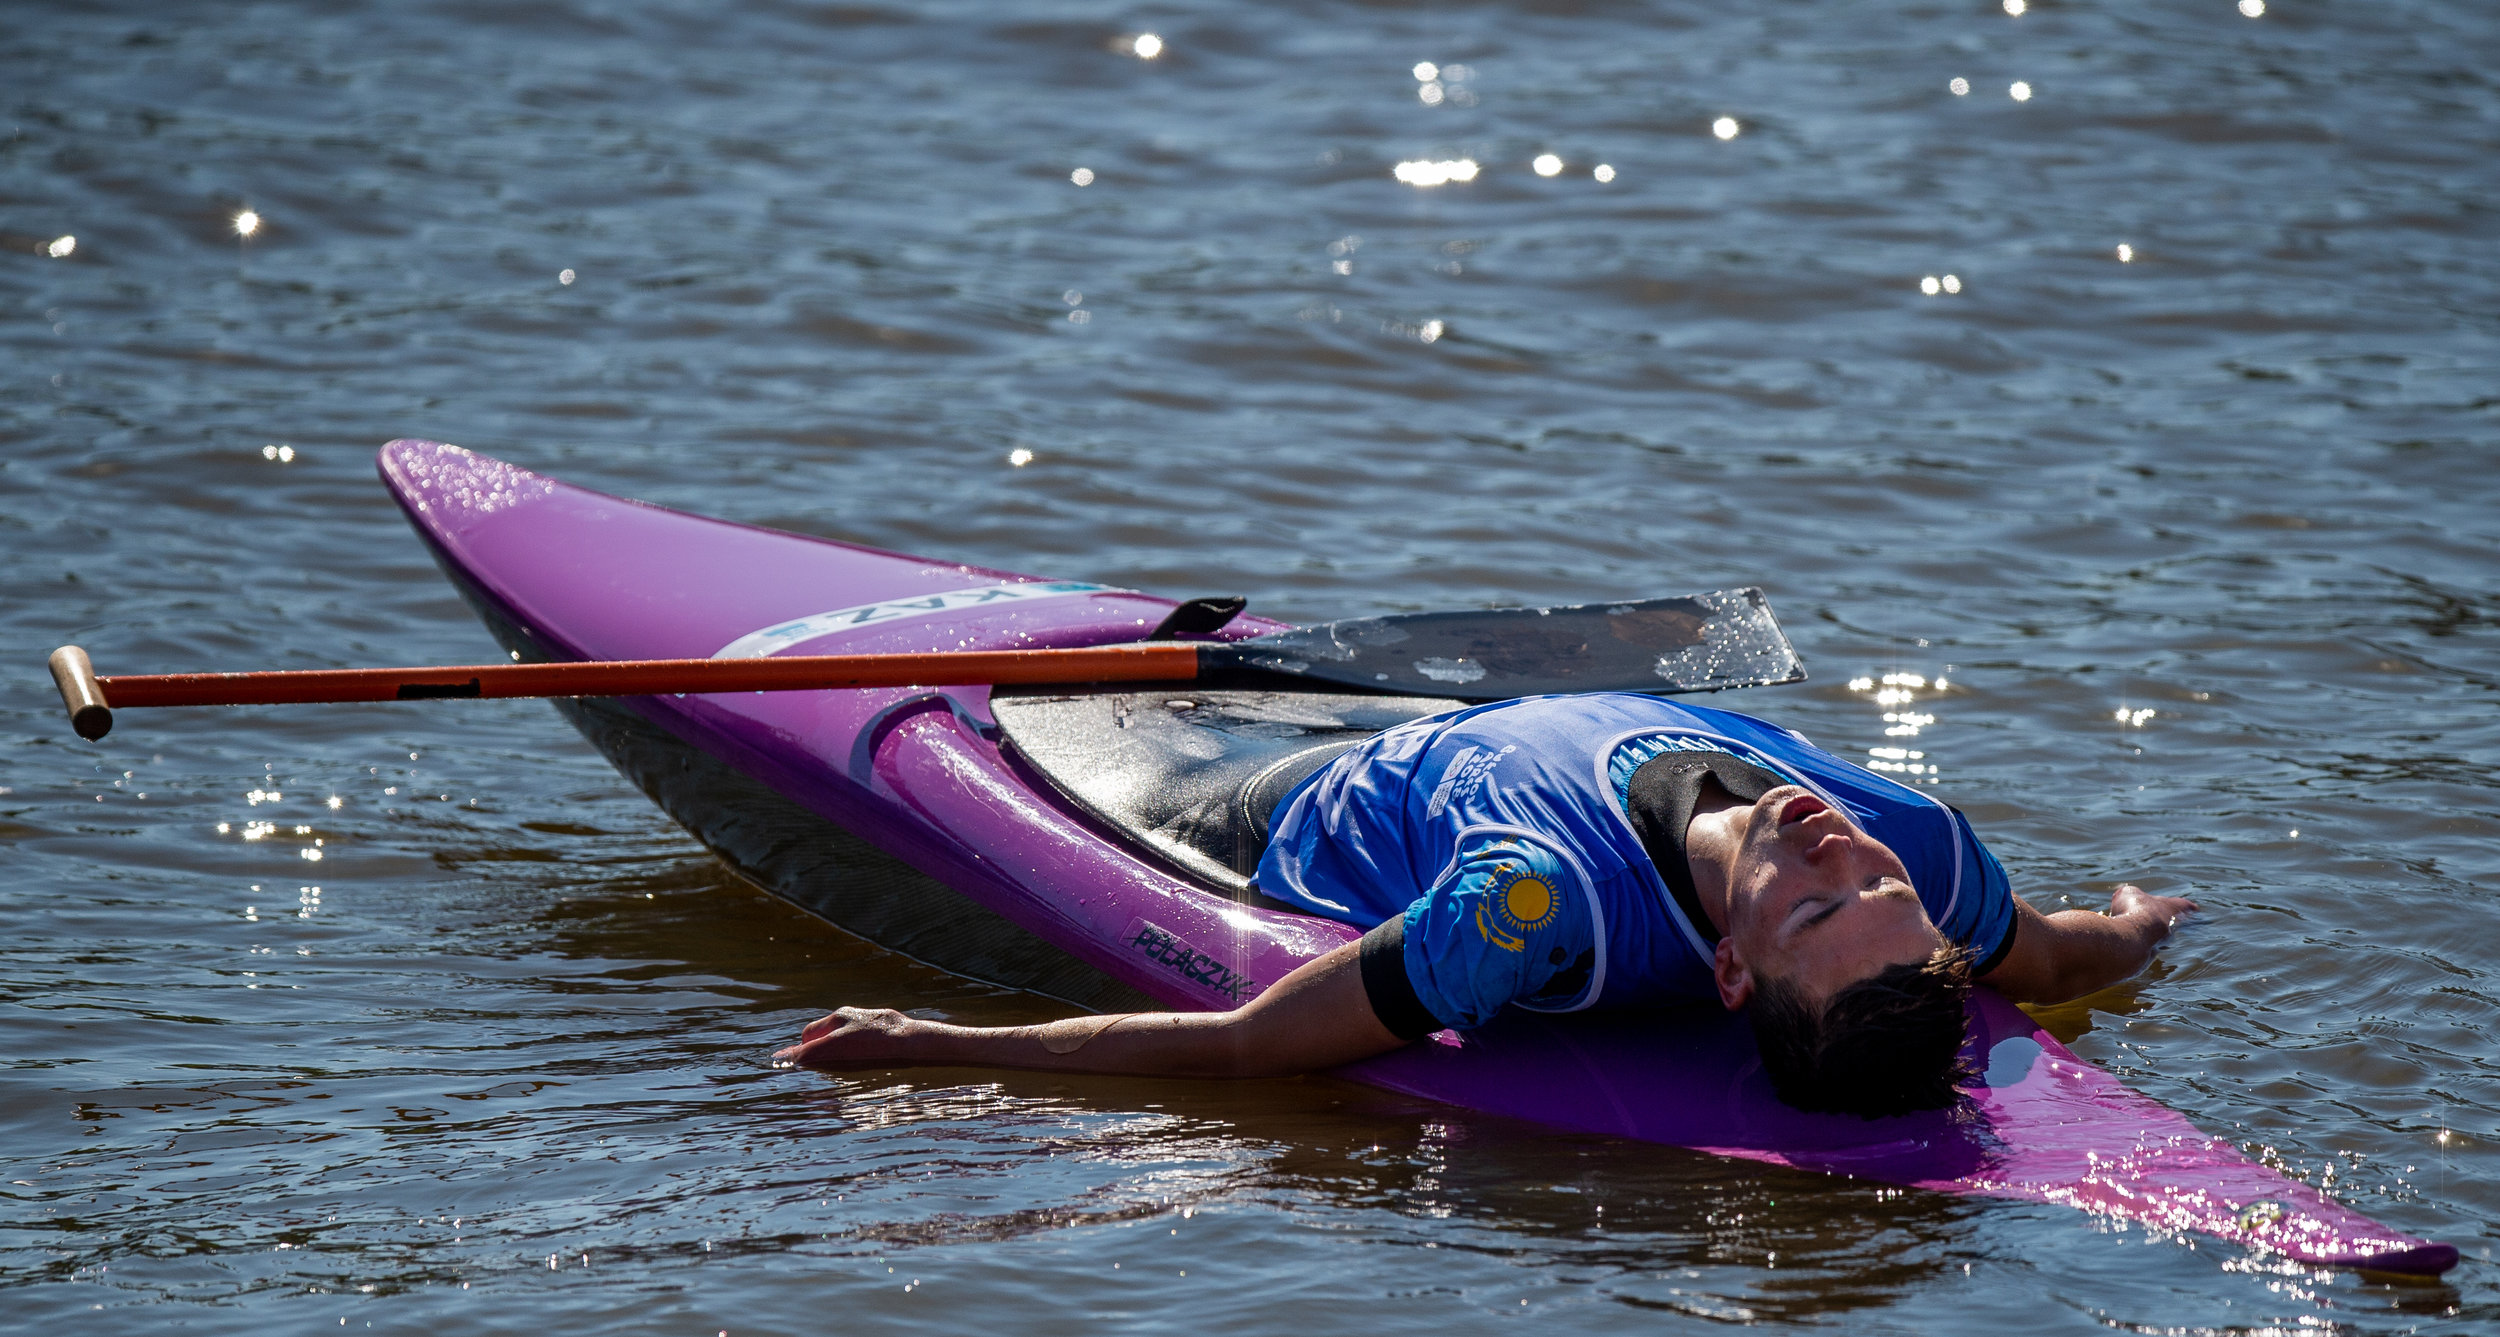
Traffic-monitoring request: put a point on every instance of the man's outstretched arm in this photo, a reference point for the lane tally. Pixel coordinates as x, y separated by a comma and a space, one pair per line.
2075, 952
1316, 1017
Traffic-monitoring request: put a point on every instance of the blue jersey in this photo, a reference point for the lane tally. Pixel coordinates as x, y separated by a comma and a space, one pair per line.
1500, 834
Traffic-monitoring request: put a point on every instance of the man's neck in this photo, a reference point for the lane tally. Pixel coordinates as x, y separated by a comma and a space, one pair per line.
1710, 844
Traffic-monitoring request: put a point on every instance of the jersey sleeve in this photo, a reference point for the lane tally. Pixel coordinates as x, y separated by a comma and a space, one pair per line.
1983, 918
1511, 921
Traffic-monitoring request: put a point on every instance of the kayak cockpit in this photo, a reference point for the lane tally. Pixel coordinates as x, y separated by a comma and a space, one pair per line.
1190, 775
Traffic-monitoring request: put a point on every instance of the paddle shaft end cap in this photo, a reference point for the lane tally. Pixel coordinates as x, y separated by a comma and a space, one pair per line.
81, 694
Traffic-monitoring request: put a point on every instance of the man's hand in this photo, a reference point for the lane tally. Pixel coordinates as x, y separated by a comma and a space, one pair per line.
2075, 952
2157, 913
852, 1037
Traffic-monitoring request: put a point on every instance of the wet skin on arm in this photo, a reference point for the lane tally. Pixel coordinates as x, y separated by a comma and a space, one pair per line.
1315, 1017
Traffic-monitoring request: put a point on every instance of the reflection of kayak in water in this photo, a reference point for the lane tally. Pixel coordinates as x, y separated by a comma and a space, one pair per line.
1092, 846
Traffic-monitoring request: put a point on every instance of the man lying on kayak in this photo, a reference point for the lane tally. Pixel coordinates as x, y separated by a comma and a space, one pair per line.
1606, 850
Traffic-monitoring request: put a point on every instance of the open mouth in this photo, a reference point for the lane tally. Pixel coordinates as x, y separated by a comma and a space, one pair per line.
1800, 807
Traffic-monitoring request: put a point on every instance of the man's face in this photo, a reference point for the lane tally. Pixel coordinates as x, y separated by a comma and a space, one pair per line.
1814, 900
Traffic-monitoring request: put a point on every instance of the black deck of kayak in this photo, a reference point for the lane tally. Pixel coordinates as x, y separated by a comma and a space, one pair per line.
1191, 775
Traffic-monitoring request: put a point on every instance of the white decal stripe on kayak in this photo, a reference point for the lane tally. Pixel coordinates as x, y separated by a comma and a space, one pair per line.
779, 636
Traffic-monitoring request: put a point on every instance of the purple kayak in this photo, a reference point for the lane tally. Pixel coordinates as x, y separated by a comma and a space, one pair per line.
1091, 846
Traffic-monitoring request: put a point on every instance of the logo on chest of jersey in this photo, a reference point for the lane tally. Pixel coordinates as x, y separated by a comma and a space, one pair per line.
1467, 773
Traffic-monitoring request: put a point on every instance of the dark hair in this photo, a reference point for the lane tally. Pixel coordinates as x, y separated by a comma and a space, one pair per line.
1888, 1044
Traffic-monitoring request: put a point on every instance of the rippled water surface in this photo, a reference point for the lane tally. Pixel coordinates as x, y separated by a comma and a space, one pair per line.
2177, 497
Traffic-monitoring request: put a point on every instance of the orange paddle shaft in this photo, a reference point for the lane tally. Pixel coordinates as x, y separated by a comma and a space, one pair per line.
92, 699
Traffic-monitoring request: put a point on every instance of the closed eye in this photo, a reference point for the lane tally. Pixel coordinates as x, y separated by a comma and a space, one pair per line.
1837, 903
1829, 908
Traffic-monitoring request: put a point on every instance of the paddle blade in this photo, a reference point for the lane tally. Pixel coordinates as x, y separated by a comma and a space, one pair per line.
1695, 643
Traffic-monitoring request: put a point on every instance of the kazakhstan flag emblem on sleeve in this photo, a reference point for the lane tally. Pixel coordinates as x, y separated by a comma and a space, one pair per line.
1521, 901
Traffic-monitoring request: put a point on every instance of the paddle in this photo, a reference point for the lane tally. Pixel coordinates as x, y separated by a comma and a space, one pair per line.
1695, 643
